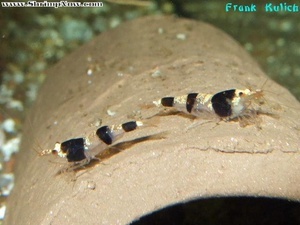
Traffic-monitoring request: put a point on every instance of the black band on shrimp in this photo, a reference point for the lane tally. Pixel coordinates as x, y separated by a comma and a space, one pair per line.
74, 149
221, 103
190, 101
129, 126
167, 101
105, 135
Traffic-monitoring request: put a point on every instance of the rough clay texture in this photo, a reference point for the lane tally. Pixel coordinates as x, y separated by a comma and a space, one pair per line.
134, 64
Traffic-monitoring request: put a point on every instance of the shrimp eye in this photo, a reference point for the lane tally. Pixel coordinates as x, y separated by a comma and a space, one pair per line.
241, 93
54, 152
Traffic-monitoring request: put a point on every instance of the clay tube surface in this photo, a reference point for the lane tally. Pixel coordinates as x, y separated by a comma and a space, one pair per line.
133, 65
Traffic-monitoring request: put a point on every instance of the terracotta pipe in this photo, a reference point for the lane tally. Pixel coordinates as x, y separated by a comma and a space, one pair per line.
112, 79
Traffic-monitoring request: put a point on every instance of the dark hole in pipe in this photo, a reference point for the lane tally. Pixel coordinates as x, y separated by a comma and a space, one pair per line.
227, 210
